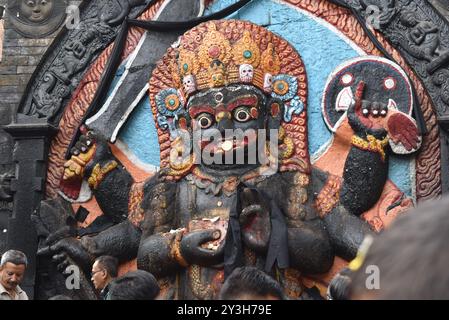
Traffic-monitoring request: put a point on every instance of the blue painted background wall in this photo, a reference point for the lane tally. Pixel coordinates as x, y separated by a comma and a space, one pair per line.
140, 134
322, 50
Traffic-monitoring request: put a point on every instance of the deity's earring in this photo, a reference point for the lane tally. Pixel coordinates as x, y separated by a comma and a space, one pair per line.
183, 122
274, 115
275, 118
275, 111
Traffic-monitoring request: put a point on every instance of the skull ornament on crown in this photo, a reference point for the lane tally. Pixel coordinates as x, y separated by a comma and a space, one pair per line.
189, 84
246, 73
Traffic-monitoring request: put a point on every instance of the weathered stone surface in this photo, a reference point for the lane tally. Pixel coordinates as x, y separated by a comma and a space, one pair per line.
20, 57
11, 50
9, 80
5, 114
13, 80
442, 7
68, 59
7, 70
12, 97
32, 50
33, 60
7, 89
25, 69
35, 42
11, 34
10, 42
15, 61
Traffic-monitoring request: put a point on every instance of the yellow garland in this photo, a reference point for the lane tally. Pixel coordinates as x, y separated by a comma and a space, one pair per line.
372, 144
98, 173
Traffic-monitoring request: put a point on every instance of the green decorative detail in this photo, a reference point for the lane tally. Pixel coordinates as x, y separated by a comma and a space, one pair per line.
247, 54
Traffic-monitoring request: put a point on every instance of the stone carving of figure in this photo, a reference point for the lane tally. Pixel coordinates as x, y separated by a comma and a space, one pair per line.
36, 18
36, 10
196, 220
423, 41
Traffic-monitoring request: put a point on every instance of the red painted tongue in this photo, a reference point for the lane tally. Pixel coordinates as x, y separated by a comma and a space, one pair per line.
366, 122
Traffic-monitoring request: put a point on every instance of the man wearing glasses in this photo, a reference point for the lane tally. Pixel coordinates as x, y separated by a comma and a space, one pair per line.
104, 270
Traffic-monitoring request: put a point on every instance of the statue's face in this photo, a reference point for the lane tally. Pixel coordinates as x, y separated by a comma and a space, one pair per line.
229, 121
36, 10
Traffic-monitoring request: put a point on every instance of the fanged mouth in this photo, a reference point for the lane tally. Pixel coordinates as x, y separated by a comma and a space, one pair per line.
225, 145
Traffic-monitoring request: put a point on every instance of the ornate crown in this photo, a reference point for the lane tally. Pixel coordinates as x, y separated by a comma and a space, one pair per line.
218, 62
224, 52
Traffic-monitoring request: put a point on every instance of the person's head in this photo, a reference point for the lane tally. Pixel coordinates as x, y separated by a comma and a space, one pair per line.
408, 260
104, 270
135, 285
339, 286
249, 283
12, 269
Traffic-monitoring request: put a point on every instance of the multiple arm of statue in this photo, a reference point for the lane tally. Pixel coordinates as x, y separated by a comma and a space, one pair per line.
161, 245
194, 216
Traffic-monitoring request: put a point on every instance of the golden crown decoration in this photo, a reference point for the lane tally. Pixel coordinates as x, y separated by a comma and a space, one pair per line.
224, 52
218, 62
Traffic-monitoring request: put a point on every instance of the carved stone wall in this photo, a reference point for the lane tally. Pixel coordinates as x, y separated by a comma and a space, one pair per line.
33, 99
442, 6
20, 56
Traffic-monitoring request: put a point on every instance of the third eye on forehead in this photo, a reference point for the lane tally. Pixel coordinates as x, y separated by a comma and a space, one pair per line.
224, 95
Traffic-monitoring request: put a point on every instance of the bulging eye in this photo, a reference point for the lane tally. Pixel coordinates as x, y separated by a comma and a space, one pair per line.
204, 121
242, 114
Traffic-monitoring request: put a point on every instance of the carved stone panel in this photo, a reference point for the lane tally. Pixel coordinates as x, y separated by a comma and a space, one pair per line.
67, 59
442, 7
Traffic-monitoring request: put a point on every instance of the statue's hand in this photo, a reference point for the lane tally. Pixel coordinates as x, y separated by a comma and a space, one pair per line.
255, 221
65, 251
403, 129
82, 153
90, 150
193, 252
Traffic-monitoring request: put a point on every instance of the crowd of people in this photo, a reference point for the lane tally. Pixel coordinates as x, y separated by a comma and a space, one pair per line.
410, 258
